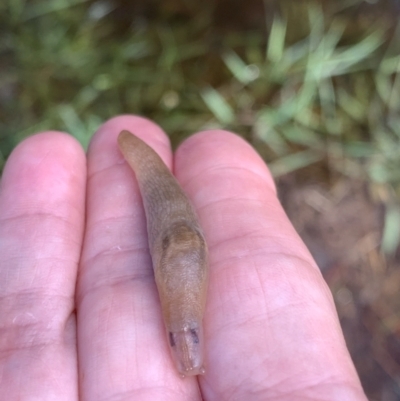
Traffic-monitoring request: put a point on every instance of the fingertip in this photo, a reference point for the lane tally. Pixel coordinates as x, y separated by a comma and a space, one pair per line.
45, 172
218, 149
43, 142
103, 149
55, 148
220, 135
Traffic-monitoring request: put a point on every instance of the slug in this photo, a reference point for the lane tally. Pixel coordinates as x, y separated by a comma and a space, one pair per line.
178, 251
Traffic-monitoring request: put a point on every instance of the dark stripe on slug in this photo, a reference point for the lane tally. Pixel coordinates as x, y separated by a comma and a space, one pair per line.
171, 339
195, 336
165, 242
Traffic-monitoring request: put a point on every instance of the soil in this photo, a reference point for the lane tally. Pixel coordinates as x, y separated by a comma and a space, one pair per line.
342, 225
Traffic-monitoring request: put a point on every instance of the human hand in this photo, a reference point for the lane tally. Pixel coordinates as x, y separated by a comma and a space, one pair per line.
77, 287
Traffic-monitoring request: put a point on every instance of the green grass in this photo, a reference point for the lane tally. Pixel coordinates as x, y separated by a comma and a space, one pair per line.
316, 89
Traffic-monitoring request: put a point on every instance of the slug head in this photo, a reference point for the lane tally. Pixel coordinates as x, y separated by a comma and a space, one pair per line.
187, 350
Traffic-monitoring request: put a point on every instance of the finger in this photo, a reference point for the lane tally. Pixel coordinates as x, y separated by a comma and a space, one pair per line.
122, 342
271, 326
41, 226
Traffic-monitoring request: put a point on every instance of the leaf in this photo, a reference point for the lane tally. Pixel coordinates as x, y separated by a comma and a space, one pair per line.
293, 162
276, 40
222, 111
242, 72
391, 230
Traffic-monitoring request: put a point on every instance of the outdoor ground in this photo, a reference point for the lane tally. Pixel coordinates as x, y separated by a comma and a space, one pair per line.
342, 226
313, 85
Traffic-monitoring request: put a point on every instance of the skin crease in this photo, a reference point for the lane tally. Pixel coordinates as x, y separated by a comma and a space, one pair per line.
77, 284
178, 251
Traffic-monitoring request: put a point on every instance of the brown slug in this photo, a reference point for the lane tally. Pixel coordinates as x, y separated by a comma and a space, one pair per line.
178, 251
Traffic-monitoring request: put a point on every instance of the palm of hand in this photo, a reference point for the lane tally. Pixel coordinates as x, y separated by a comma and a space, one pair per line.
271, 328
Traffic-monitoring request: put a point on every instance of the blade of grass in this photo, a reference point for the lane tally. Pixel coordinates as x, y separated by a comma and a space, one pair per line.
350, 105
222, 111
359, 149
302, 136
271, 137
43, 8
316, 22
241, 71
74, 124
276, 40
294, 162
391, 230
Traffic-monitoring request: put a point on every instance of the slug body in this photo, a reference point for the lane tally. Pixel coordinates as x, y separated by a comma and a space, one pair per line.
178, 251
